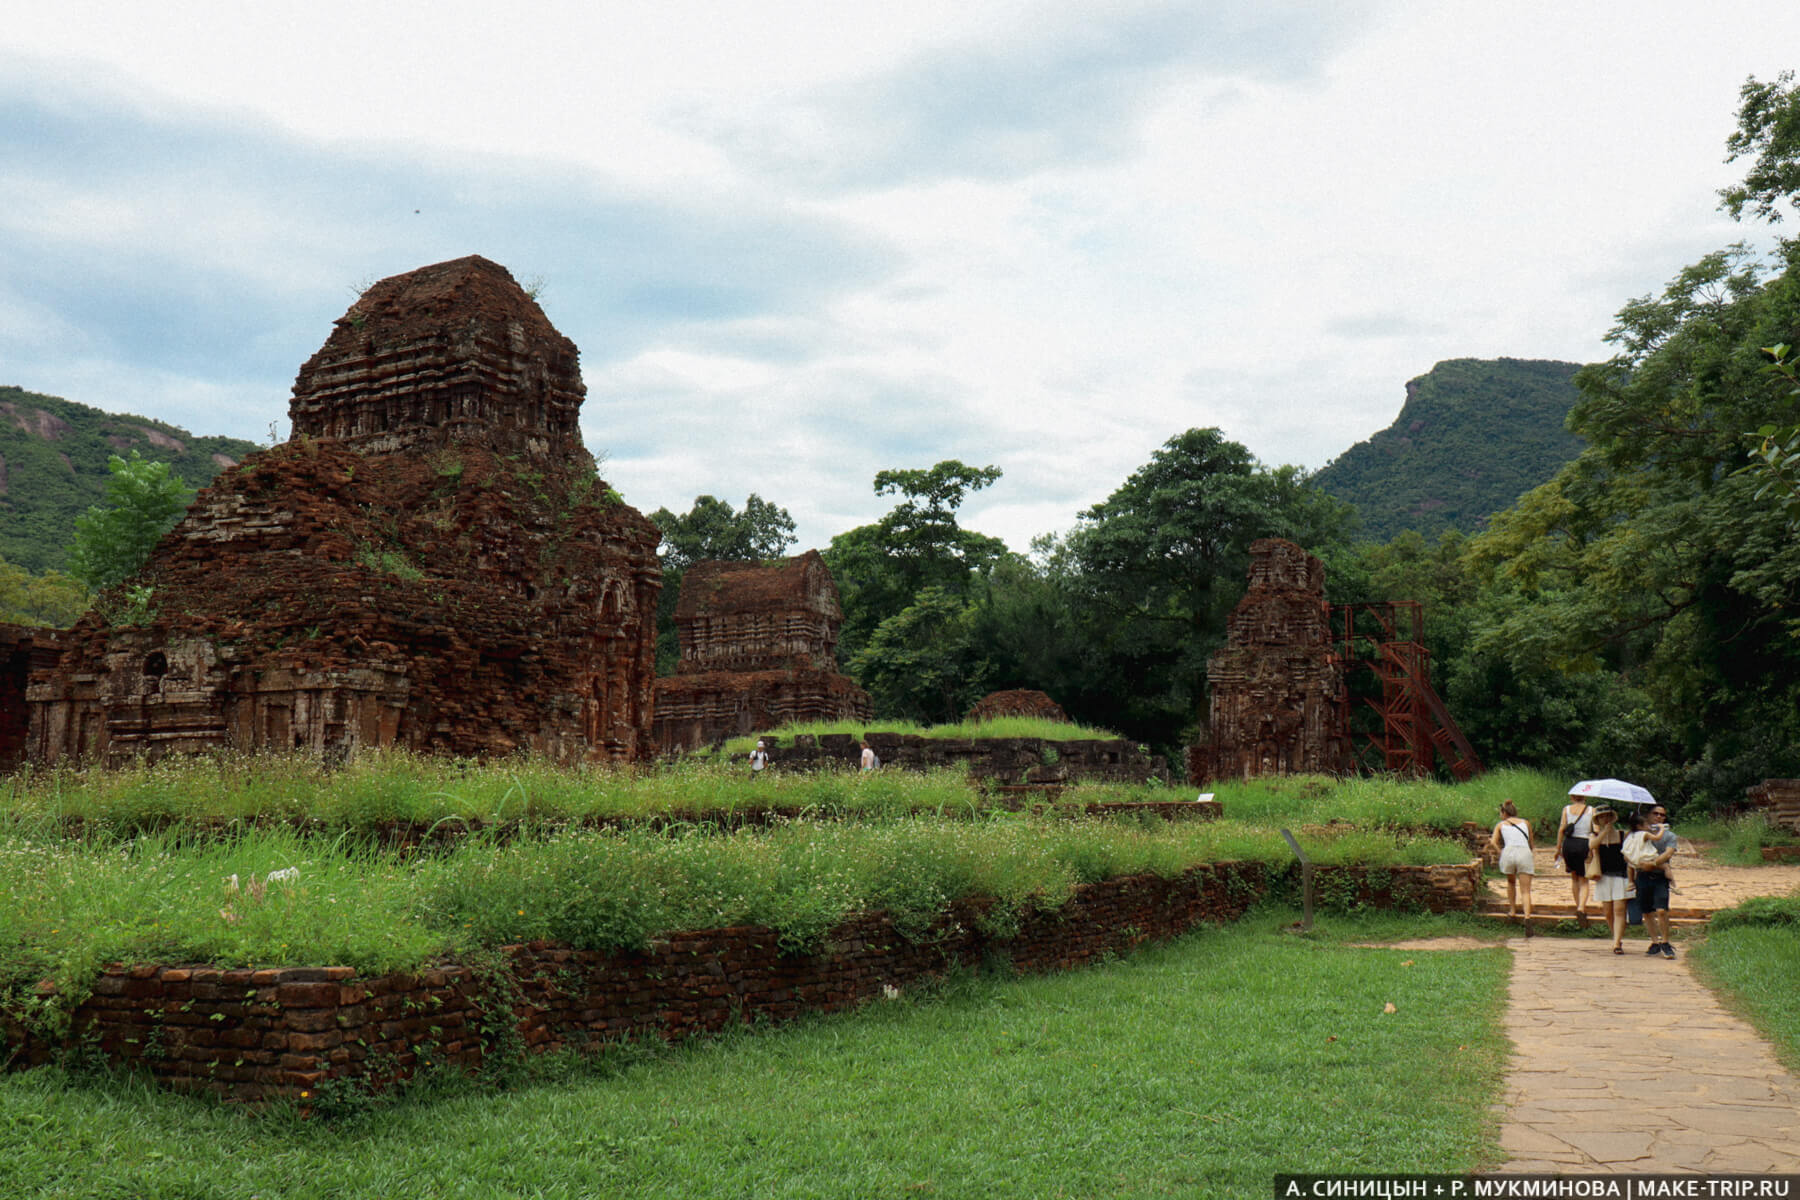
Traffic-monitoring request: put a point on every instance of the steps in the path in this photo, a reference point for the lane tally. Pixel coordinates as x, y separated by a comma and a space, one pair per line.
1555, 912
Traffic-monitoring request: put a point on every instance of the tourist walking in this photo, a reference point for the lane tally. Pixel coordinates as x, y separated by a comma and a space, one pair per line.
869, 761
759, 758
1648, 853
1572, 847
1607, 844
1512, 840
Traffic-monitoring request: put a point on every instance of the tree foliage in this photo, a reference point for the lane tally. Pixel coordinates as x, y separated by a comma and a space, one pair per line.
712, 529
881, 569
1126, 610
144, 500
926, 662
50, 598
1649, 558
1769, 129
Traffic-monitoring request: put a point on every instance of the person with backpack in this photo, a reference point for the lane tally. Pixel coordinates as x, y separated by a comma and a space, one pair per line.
1572, 848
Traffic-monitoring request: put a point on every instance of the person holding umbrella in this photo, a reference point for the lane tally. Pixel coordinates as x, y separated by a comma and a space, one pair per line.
1609, 888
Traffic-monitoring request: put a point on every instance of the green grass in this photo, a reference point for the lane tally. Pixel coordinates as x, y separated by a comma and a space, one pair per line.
1751, 953
1738, 840
1196, 1069
999, 727
68, 907
1371, 803
382, 789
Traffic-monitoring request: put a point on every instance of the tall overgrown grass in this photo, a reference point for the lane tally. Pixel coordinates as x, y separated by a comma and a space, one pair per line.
998, 727
387, 788
275, 897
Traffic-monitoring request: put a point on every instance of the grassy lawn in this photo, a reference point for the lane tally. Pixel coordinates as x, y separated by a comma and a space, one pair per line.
1196, 1069
1751, 954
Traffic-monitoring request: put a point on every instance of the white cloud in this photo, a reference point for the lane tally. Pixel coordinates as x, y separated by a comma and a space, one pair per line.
801, 242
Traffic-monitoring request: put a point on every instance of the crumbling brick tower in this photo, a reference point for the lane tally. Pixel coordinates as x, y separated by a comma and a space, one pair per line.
758, 650
1276, 686
429, 562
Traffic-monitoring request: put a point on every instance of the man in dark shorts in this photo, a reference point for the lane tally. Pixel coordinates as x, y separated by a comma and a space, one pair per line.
1653, 880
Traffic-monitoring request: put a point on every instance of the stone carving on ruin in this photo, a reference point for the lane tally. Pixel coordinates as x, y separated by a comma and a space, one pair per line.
1276, 686
758, 651
429, 562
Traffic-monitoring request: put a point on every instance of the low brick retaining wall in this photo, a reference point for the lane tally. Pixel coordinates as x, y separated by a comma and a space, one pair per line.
1004, 760
254, 1035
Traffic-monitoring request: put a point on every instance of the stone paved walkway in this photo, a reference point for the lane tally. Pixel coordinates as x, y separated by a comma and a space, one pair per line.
1590, 1091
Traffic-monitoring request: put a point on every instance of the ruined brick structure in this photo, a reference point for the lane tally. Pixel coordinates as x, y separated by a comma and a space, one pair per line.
1021, 702
23, 650
1779, 799
1277, 685
758, 651
429, 562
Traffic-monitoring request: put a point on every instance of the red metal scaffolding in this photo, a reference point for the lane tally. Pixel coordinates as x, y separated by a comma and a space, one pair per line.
1415, 729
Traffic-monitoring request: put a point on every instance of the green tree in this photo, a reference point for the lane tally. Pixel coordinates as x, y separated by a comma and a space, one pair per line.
712, 530
925, 663
1769, 129
1650, 557
881, 569
144, 500
51, 598
1155, 569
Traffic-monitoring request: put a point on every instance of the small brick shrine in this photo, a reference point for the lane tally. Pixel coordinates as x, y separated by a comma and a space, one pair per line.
758, 651
430, 562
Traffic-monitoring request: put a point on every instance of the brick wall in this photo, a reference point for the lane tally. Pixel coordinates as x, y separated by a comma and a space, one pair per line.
253, 1035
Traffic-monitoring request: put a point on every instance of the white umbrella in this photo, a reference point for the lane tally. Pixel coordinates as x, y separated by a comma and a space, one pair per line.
1612, 789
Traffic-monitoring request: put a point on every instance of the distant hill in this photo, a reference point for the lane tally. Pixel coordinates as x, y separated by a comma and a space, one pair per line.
53, 456
1473, 436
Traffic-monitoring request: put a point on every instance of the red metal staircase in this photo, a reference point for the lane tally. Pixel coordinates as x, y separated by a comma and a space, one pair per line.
1415, 728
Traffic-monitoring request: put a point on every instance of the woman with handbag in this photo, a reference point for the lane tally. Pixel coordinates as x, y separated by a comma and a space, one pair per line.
1572, 848
1606, 859
1512, 840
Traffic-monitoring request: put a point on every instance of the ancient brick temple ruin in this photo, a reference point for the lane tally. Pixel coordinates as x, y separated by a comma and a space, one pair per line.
1019, 702
758, 650
1277, 686
429, 562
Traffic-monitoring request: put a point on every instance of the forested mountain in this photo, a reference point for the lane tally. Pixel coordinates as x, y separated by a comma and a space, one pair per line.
1473, 436
53, 456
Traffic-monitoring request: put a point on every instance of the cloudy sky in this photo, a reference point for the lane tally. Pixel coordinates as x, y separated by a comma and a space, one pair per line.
801, 242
